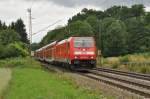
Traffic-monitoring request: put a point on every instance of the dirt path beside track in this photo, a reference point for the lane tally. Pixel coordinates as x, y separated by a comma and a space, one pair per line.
5, 76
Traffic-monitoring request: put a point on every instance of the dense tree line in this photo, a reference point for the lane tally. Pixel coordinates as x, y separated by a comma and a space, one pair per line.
18, 27
119, 30
13, 39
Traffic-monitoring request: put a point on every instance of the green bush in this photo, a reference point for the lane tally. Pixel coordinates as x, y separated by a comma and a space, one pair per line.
20, 48
16, 49
124, 59
8, 36
20, 62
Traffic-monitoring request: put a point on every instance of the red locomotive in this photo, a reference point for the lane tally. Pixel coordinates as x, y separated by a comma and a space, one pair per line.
74, 52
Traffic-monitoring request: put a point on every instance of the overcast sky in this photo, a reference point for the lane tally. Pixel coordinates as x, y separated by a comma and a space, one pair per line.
46, 12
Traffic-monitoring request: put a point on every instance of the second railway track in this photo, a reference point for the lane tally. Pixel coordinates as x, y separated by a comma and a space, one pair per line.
131, 74
133, 82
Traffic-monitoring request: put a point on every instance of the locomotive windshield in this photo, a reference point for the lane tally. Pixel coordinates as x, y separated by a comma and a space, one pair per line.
85, 42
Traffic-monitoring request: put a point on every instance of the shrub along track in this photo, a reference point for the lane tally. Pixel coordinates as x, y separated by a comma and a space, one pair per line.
136, 83
132, 82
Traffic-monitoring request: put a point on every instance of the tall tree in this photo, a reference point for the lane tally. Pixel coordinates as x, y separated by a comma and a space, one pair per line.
138, 36
80, 28
137, 10
113, 35
114, 12
4, 26
20, 28
94, 22
147, 18
12, 26
0, 25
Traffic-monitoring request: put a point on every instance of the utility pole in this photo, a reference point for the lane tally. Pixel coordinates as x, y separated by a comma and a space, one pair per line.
30, 28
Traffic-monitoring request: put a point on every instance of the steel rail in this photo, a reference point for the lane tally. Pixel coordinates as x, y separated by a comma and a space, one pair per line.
130, 74
121, 79
139, 91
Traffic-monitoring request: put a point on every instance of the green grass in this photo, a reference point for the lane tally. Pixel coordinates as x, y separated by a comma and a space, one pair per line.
38, 84
30, 81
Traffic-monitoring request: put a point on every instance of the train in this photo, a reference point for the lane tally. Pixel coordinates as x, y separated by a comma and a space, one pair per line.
73, 52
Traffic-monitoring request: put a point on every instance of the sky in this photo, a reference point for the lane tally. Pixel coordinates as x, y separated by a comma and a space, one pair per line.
47, 12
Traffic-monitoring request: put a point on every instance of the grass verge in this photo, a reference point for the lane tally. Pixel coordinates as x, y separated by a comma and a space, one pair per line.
34, 83
20, 63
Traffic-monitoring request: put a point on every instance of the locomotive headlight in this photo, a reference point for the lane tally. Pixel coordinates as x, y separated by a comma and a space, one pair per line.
90, 53
92, 57
75, 57
77, 53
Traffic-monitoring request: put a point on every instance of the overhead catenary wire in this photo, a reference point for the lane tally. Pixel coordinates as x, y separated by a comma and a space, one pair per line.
47, 27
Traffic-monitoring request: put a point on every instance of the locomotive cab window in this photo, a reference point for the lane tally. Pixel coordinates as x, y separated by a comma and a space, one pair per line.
83, 42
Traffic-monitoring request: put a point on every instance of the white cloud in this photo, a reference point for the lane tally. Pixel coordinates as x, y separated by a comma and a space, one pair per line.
148, 9
102, 3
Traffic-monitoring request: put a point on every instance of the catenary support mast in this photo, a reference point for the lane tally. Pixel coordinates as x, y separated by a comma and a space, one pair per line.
30, 28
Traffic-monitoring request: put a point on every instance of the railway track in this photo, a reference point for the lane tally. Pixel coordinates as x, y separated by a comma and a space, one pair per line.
136, 83
131, 74
133, 82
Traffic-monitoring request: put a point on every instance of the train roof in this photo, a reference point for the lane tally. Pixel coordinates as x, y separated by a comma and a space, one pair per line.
63, 41
53, 43
59, 42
